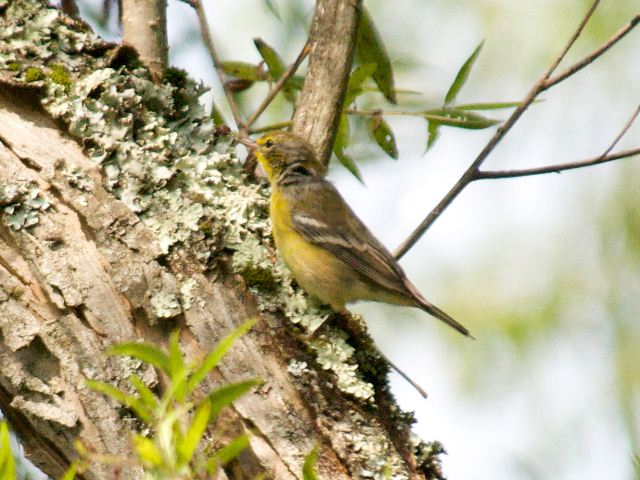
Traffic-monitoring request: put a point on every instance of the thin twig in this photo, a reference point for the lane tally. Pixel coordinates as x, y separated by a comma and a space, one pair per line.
451, 121
573, 38
272, 126
560, 167
471, 173
623, 132
278, 86
370, 113
557, 168
208, 40
593, 55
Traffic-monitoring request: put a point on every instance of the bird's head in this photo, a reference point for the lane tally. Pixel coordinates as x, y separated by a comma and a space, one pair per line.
280, 152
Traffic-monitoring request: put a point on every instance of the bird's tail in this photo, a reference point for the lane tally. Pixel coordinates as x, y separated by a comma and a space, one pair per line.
416, 299
440, 315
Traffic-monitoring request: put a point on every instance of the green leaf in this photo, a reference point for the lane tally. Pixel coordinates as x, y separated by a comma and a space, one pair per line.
7, 462
309, 467
342, 134
243, 70
177, 390
273, 8
340, 144
433, 129
213, 358
70, 474
460, 119
271, 58
142, 351
123, 398
357, 78
462, 76
178, 369
216, 116
296, 82
225, 395
347, 162
370, 49
146, 395
147, 451
187, 447
277, 68
489, 106
168, 432
399, 91
176, 361
361, 73
381, 132
227, 453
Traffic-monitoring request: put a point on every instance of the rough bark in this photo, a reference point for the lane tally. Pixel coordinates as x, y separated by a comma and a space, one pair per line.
333, 41
121, 218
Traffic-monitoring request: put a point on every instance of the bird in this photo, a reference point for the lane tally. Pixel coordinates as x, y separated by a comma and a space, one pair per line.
329, 250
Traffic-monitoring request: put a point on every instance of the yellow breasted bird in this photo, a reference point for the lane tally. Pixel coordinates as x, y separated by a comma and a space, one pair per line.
330, 252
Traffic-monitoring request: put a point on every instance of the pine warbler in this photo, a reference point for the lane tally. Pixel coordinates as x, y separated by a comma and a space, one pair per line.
330, 252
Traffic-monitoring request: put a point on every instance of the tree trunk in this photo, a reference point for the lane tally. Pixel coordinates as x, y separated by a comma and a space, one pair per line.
122, 217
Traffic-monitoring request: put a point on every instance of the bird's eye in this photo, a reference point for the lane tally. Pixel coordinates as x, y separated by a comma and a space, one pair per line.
300, 170
268, 143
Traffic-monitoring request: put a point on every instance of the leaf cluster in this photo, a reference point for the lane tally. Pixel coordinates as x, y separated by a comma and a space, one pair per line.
176, 420
379, 70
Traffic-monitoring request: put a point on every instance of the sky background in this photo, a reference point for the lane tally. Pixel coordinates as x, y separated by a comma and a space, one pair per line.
545, 271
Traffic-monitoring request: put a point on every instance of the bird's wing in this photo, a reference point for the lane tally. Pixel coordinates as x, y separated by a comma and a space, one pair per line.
329, 223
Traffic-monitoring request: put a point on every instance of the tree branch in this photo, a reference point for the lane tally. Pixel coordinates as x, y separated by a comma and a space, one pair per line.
278, 86
593, 55
145, 27
557, 168
333, 39
472, 173
213, 53
79, 271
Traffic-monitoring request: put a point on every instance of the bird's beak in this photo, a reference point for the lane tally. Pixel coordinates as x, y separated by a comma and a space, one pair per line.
248, 143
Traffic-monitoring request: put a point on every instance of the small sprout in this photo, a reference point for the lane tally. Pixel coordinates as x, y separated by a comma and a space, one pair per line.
179, 418
309, 467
